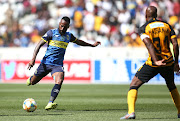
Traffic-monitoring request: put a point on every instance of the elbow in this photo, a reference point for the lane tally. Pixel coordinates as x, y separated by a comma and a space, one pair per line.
175, 45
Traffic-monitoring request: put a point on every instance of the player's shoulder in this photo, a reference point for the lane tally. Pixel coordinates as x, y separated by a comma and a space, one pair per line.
163, 21
54, 30
51, 31
146, 24
68, 33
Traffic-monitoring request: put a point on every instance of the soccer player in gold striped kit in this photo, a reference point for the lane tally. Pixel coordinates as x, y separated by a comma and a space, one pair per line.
157, 36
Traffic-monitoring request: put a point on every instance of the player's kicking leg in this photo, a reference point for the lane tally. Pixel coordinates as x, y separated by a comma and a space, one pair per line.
33, 80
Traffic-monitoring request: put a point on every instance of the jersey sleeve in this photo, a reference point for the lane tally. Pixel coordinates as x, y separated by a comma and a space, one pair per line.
142, 33
73, 39
47, 36
172, 34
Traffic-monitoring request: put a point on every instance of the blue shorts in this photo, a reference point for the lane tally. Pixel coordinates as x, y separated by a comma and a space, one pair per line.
45, 69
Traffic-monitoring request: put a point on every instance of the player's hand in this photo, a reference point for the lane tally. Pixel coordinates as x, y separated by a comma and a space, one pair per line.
96, 44
176, 69
31, 64
160, 62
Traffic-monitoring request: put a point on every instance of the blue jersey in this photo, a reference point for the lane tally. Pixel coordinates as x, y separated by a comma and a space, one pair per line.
57, 45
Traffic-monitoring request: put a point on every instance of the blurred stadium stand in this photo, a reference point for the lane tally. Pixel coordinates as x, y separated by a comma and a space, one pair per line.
113, 22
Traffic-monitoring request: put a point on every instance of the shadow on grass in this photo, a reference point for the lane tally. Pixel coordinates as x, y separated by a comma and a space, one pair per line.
154, 118
59, 110
91, 110
50, 114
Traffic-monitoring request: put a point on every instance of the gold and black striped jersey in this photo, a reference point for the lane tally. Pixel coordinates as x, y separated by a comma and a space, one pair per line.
160, 33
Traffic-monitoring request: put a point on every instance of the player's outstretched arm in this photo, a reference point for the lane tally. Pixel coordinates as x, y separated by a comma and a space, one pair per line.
151, 51
82, 43
36, 50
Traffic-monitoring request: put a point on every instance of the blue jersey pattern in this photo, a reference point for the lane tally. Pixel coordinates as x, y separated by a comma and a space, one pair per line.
57, 45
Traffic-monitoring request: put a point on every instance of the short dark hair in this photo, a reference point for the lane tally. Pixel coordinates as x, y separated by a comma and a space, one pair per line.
67, 19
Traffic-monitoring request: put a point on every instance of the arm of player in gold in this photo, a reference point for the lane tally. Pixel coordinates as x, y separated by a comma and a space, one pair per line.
176, 54
151, 51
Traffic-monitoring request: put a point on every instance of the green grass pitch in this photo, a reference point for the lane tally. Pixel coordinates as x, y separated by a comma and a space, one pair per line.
86, 102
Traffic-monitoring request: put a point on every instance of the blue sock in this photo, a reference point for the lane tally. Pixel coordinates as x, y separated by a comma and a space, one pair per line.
55, 92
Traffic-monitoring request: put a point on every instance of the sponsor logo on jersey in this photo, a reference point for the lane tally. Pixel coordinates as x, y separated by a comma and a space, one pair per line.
60, 44
157, 24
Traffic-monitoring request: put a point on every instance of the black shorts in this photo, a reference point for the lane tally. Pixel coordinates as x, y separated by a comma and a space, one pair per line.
45, 69
146, 72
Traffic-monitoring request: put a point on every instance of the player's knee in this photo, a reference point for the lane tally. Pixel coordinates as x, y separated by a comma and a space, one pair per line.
171, 87
59, 81
134, 87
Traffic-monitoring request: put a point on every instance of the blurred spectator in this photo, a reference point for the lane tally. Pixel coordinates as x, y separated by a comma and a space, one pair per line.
131, 6
24, 40
88, 22
170, 7
78, 17
177, 8
9, 17
35, 37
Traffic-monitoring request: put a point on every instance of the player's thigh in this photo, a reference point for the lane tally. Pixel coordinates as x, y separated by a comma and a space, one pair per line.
58, 77
146, 72
40, 72
58, 74
168, 74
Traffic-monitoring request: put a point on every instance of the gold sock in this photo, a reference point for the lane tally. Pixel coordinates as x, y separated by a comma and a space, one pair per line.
176, 98
131, 99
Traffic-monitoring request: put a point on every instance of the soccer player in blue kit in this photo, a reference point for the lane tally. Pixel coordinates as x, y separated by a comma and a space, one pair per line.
57, 40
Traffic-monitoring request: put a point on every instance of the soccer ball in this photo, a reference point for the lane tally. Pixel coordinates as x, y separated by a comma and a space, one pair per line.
29, 105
